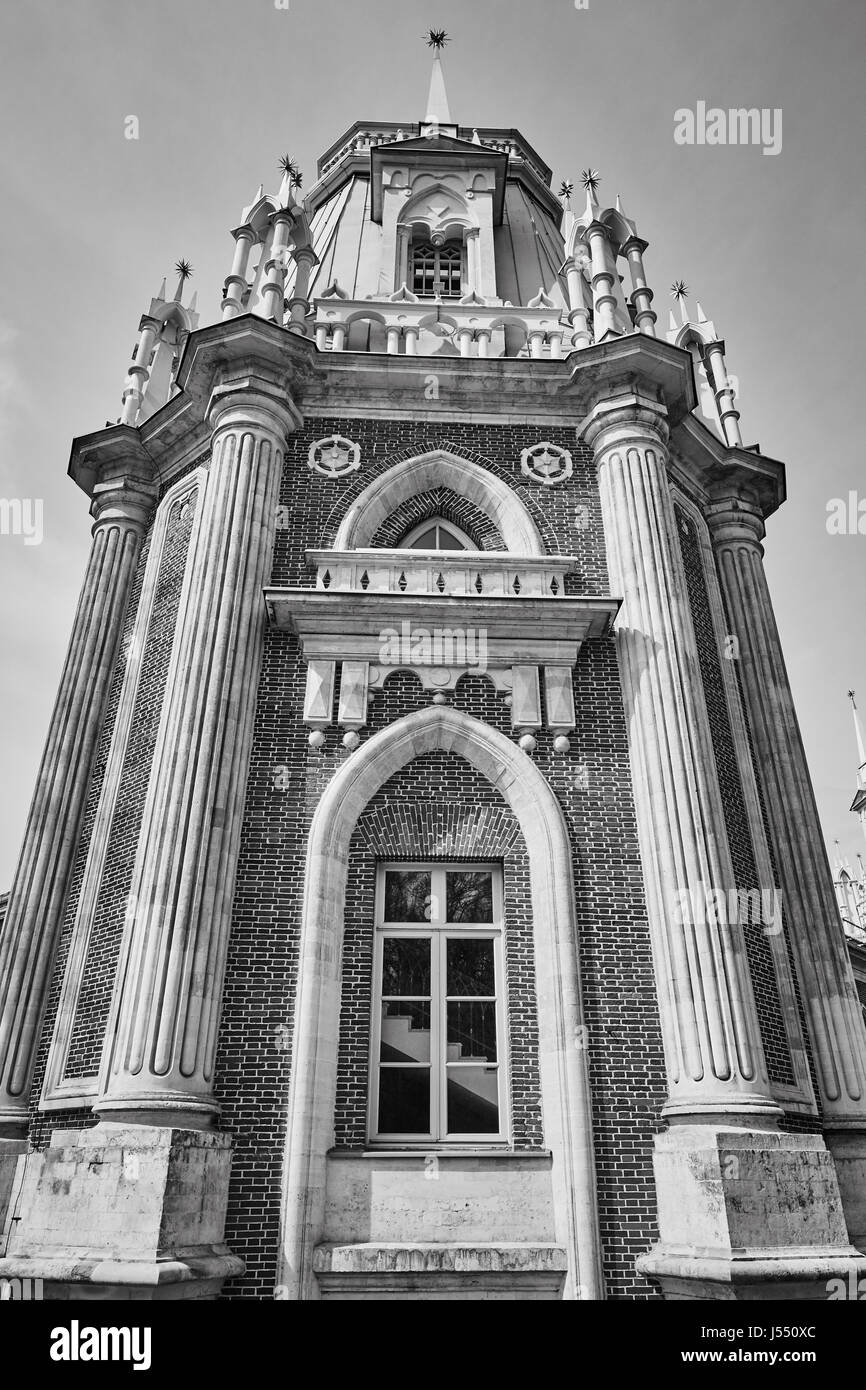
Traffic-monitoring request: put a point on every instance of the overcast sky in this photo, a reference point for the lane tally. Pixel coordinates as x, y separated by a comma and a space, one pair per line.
770, 245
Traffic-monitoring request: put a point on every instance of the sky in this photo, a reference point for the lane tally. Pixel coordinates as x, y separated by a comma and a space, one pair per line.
769, 244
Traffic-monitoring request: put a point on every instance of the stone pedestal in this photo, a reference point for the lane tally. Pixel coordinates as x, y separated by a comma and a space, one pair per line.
125, 1212
747, 1216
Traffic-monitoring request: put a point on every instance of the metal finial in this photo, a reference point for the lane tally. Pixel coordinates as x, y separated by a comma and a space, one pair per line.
566, 188
590, 179
436, 38
184, 269
679, 290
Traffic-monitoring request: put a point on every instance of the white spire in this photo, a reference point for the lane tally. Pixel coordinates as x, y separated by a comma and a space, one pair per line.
437, 100
861, 750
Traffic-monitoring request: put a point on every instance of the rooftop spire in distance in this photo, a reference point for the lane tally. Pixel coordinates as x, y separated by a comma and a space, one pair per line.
437, 99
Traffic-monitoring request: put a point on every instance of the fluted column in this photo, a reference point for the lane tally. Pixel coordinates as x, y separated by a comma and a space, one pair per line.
121, 509
835, 1019
715, 1061
169, 986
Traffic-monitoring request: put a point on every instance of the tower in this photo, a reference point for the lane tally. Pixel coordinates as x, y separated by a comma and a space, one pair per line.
422, 894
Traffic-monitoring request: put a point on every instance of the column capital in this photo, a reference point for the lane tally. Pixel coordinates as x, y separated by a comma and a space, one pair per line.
123, 499
735, 516
251, 400
627, 415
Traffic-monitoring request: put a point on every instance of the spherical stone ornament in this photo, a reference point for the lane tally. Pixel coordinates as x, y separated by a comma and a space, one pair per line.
561, 744
528, 743
316, 739
439, 698
351, 740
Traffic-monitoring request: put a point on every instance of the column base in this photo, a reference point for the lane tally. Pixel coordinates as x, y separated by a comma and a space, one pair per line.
125, 1211
746, 1215
848, 1147
13, 1153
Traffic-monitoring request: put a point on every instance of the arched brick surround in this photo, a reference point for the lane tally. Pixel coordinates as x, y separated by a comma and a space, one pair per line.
563, 1057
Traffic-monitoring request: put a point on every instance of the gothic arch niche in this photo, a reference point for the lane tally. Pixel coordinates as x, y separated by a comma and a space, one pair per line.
442, 502
427, 472
562, 1055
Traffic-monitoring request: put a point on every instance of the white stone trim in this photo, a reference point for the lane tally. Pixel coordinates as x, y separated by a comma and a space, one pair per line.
801, 1096
57, 1093
439, 468
529, 460
562, 1050
334, 443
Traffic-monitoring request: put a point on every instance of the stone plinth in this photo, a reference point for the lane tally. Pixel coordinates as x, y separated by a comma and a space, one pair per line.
125, 1212
746, 1215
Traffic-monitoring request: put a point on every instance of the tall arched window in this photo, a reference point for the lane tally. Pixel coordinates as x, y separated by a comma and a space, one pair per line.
436, 534
436, 270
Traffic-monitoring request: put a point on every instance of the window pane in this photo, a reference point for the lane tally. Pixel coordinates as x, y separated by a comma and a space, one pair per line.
446, 540
473, 1106
407, 896
470, 966
469, 897
404, 1100
405, 965
471, 1032
426, 541
405, 1032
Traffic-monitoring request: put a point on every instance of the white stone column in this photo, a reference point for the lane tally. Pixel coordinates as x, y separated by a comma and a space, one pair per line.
121, 509
603, 276
169, 983
133, 394
729, 416
715, 1061
641, 294
236, 282
835, 1019
299, 304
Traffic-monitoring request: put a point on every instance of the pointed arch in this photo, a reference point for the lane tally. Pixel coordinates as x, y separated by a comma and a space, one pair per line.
562, 1053
410, 476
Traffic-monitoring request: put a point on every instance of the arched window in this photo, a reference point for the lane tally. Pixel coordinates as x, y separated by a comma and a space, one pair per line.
436, 534
436, 270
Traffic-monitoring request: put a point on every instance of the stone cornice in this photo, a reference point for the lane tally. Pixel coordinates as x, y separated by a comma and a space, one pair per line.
337, 624
110, 455
714, 471
633, 361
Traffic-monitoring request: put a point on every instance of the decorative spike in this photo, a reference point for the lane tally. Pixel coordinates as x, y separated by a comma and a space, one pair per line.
161, 294
702, 318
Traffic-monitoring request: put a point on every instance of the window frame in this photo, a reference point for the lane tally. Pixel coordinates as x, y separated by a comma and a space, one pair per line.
439, 932
429, 251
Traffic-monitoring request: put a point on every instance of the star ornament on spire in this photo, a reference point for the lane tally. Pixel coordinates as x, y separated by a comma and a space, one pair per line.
288, 166
566, 188
183, 269
679, 290
590, 179
436, 38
